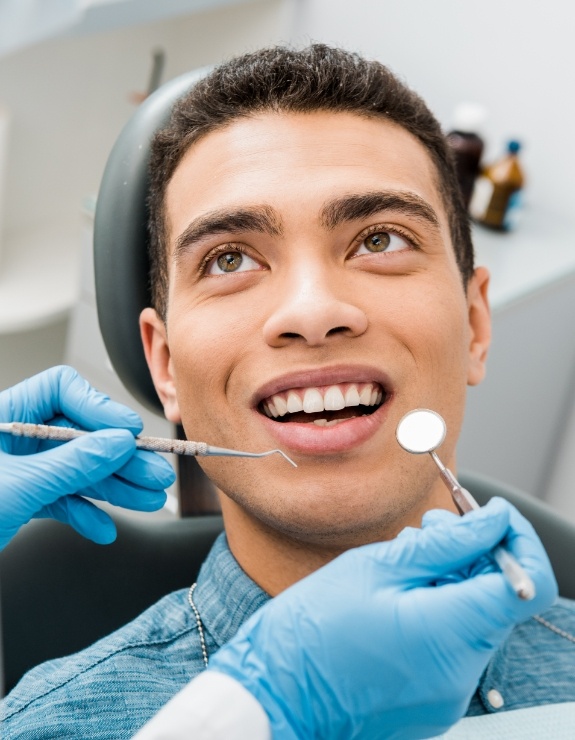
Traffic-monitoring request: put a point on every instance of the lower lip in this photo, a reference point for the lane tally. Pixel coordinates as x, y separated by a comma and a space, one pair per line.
308, 438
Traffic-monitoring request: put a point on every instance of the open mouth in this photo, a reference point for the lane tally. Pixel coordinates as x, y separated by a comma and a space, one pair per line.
324, 406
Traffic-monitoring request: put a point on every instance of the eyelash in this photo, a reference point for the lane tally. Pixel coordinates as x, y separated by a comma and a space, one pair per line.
216, 251
231, 247
387, 230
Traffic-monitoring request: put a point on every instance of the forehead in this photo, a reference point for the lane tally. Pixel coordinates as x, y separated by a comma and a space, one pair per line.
295, 161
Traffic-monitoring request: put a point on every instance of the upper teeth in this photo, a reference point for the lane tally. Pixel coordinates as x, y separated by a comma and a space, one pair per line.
330, 398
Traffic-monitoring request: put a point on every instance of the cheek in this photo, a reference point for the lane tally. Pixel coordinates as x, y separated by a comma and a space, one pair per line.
205, 346
430, 324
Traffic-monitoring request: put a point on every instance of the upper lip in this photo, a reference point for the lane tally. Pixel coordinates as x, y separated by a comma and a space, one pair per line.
322, 376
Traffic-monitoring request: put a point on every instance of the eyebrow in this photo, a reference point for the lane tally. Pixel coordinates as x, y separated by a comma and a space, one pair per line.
362, 205
262, 219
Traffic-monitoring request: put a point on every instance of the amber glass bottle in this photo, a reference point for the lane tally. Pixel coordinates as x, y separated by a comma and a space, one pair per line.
467, 145
496, 197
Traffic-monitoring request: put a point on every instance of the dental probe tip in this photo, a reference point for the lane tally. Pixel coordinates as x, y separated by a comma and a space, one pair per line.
211, 450
283, 454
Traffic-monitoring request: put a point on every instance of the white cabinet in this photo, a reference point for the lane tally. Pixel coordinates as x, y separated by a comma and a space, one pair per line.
516, 418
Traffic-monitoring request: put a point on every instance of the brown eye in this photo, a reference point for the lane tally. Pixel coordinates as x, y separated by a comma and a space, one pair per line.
378, 242
383, 242
230, 261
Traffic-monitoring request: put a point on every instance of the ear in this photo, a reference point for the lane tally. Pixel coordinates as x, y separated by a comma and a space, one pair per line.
479, 325
157, 351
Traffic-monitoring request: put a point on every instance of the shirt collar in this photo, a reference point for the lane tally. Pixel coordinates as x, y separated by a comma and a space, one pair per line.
225, 595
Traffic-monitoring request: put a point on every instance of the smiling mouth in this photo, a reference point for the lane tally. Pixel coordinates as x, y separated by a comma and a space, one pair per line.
324, 406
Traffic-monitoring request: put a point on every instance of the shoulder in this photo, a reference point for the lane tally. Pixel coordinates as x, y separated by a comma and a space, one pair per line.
114, 686
562, 610
536, 664
550, 635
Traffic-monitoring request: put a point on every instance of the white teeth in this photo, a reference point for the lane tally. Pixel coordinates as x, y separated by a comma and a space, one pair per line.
326, 423
365, 396
281, 405
294, 403
333, 399
272, 410
352, 396
312, 401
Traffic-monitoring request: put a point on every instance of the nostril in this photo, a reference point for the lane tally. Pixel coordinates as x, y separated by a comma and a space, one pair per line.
337, 330
290, 335
313, 323
331, 332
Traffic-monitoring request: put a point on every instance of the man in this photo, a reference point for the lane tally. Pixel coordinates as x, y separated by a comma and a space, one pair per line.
273, 675
313, 281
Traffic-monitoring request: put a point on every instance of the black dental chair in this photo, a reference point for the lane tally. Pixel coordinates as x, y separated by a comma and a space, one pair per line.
59, 592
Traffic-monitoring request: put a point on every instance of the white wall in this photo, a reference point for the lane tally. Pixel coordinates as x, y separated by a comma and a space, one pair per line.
68, 99
514, 56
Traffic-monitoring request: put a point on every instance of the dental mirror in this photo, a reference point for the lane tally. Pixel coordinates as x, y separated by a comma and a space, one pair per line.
420, 431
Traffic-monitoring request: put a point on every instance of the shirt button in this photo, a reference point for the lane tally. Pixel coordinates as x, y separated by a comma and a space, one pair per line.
495, 699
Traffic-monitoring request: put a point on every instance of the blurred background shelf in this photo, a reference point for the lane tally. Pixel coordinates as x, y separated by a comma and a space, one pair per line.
518, 420
539, 253
39, 279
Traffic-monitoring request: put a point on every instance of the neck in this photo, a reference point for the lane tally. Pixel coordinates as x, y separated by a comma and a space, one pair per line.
270, 558
275, 560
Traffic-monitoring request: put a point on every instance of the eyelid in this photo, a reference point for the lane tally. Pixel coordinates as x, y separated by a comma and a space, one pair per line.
386, 228
223, 249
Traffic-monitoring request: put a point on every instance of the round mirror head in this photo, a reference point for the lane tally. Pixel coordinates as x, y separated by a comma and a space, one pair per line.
421, 430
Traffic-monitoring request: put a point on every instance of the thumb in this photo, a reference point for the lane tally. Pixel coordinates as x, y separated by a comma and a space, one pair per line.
449, 544
82, 462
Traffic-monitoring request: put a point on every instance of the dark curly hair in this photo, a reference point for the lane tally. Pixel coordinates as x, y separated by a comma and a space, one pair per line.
317, 78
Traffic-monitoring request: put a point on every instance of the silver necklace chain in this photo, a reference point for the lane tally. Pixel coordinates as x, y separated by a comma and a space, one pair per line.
199, 623
556, 630
548, 625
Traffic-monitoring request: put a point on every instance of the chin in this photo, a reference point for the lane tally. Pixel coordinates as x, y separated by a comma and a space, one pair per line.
328, 518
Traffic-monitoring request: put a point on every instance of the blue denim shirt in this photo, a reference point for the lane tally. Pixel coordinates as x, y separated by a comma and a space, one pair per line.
111, 689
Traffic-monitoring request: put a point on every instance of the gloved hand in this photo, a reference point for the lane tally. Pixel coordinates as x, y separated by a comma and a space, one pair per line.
377, 644
40, 478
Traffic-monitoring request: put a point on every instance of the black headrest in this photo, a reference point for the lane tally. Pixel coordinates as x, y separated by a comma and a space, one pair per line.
121, 239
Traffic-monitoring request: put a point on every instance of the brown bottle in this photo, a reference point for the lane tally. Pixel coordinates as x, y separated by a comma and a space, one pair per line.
496, 197
467, 145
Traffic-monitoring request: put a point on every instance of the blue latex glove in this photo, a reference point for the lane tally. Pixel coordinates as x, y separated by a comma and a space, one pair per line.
40, 478
370, 646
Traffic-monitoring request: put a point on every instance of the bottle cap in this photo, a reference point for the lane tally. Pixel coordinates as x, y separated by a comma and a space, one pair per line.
469, 118
513, 146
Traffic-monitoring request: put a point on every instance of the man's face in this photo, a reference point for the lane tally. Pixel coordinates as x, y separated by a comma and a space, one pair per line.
314, 299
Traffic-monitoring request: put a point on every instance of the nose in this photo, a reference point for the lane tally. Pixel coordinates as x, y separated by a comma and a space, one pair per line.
313, 306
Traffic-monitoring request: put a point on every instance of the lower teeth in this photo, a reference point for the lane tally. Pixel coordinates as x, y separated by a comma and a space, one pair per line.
333, 422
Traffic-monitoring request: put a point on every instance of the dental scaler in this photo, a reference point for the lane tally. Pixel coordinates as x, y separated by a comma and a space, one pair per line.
155, 444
